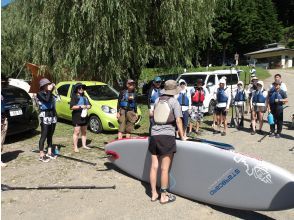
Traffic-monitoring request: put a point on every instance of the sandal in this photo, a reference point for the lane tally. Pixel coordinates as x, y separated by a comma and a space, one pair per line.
154, 200
171, 197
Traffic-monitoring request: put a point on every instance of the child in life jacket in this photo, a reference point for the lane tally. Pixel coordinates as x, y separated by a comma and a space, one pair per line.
240, 103
258, 105
127, 110
223, 98
153, 94
197, 98
184, 99
276, 99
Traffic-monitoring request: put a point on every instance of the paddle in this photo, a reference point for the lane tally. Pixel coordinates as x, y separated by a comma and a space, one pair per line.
214, 143
7, 188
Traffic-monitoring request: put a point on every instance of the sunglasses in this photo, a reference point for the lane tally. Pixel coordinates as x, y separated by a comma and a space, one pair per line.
82, 87
158, 82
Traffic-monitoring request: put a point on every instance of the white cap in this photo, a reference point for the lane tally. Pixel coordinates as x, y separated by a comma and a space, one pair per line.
182, 81
240, 82
222, 80
260, 83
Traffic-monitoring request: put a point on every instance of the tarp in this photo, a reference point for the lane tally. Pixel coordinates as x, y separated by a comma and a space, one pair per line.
37, 76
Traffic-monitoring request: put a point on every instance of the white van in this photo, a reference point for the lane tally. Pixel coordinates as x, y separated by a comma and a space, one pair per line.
210, 80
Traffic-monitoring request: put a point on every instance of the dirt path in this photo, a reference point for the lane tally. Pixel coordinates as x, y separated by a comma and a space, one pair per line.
131, 198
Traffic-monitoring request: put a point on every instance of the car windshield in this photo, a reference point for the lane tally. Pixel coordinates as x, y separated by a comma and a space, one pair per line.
102, 92
191, 80
230, 78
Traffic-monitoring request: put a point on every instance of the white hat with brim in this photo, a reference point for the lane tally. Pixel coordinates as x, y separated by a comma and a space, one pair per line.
170, 88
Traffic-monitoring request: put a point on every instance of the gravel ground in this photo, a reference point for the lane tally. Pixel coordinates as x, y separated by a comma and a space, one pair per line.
130, 200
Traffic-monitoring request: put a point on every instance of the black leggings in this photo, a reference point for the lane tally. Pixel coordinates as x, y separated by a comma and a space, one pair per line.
278, 119
47, 131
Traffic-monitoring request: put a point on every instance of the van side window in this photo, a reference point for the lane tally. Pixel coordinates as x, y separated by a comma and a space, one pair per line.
63, 90
211, 79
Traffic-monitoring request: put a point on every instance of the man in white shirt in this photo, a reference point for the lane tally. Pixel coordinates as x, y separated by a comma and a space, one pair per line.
223, 97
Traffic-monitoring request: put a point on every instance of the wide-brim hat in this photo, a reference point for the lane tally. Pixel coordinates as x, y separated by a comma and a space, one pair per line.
170, 88
44, 82
79, 85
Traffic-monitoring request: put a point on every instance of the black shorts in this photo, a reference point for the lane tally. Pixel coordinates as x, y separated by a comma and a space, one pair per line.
162, 145
221, 111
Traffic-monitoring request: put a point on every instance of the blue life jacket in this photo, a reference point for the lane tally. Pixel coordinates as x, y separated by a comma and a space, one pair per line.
258, 97
154, 95
274, 95
221, 95
240, 96
83, 101
2, 106
183, 99
43, 106
125, 102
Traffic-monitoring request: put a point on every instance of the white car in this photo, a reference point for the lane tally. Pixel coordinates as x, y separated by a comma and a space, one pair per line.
210, 81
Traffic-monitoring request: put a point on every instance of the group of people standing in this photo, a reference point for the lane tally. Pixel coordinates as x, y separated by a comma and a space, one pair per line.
271, 101
79, 105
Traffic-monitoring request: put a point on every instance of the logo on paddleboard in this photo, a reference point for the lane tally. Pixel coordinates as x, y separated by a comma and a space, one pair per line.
223, 181
259, 171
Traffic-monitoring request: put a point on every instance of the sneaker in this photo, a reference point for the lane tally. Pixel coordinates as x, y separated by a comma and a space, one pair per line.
51, 156
272, 134
224, 134
44, 159
253, 132
278, 136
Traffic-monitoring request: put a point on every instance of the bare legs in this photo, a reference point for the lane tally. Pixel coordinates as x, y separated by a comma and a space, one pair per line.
76, 133
165, 166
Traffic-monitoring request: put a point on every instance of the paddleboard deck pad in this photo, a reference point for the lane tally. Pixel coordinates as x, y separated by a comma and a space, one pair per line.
211, 175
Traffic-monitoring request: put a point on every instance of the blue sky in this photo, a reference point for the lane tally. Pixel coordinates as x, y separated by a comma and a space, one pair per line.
4, 2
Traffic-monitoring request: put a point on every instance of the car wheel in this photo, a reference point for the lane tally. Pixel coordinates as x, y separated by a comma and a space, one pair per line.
211, 107
95, 124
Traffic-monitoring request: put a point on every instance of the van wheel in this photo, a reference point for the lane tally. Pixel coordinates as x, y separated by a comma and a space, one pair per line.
211, 107
95, 124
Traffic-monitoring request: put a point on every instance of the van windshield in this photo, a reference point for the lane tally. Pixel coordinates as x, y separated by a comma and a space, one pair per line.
191, 80
230, 78
102, 92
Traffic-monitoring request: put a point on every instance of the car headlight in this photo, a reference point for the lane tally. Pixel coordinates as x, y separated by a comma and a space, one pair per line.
108, 109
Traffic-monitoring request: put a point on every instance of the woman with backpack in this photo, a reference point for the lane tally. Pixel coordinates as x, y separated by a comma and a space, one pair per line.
258, 105
79, 104
223, 98
162, 143
240, 103
197, 98
46, 101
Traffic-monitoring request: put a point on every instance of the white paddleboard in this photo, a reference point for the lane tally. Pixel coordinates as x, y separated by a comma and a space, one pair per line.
212, 175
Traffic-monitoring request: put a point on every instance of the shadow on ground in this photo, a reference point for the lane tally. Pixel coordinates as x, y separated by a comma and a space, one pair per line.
9, 156
21, 137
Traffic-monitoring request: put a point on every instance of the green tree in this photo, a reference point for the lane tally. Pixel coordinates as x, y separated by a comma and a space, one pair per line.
243, 26
105, 39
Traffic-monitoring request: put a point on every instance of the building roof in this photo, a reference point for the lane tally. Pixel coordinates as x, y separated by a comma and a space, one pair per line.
268, 50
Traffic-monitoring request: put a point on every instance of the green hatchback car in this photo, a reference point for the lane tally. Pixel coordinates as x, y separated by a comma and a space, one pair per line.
102, 115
